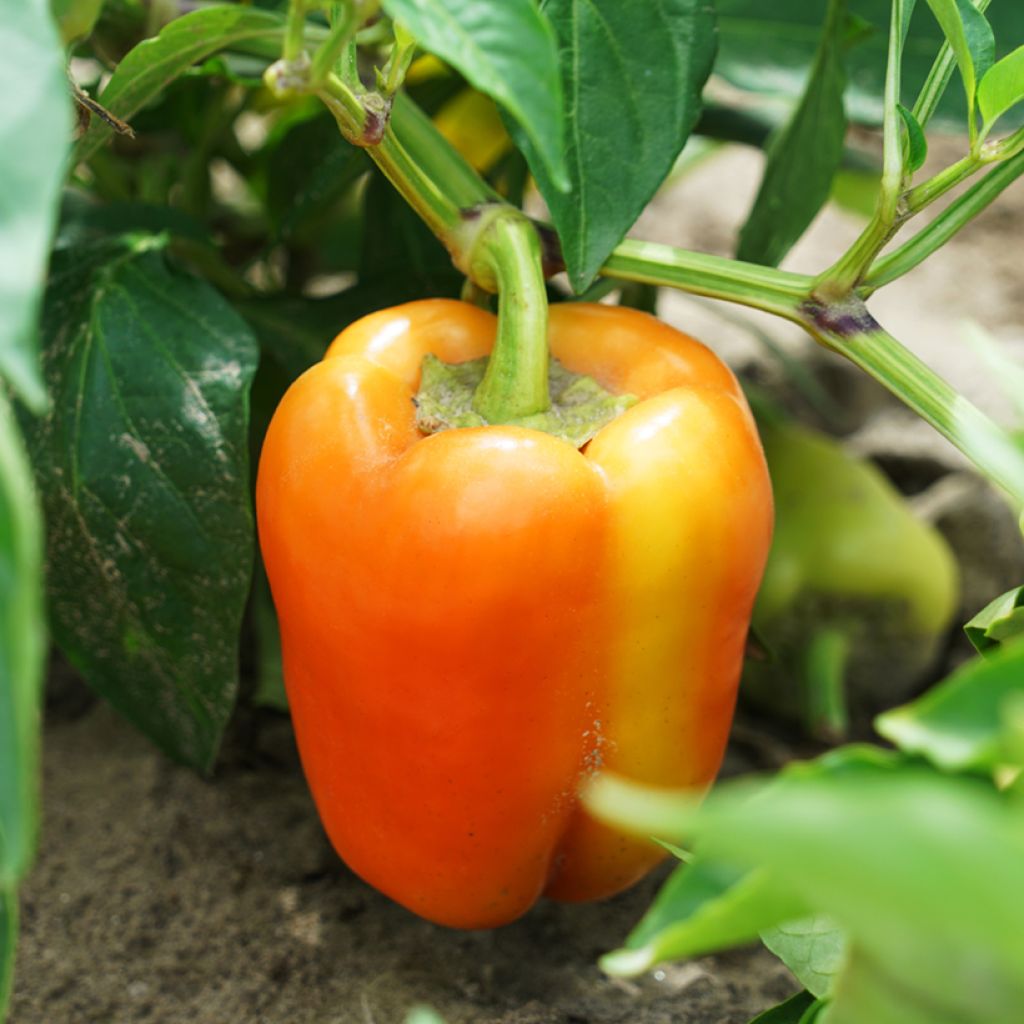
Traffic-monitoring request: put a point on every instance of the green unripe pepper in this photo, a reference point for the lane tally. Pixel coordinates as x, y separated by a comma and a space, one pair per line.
858, 594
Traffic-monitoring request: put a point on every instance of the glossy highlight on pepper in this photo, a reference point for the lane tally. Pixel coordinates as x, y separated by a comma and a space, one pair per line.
476, 621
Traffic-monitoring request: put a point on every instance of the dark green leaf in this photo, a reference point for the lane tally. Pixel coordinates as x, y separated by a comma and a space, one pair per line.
960, 724
790, 1012
970, 37
8, 944
506, 50
917, 144
1000, 620
813, 948
295, 332
632, 76
143, 468
309, 169
803, 157
35, 128
1002, 87
270, 690
22, 650
768, 48
152, 65
83, 221
399, 248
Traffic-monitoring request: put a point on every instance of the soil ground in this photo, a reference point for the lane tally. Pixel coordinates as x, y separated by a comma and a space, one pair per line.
164, 899
159, 898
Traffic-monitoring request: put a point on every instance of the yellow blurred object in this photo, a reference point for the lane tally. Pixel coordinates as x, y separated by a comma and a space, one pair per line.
424, 68
471, 123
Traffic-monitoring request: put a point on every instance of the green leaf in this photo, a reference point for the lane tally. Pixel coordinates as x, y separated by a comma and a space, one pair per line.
917, 144
143, 468
506, 50
399, 247
768, 49
35, 129
152, 65
960, 724
921, 870
802, 158
8, 945
792, 1011
270, 690
309, 169
22, 651
632, 76
1002, 87
813, 948
1000, 620
970, 37
704, 906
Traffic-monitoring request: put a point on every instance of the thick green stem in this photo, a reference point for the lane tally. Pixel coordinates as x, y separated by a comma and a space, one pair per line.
749, 284
428, 173
439, 160
849, 329
516, 382
349, 110
420, 191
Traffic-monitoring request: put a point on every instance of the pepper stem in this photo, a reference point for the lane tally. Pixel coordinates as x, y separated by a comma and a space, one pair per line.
504, 253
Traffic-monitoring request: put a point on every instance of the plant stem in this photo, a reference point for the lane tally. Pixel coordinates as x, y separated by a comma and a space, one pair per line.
294, 33
947, 224
516, 382
348, 109
928, 191
849, 329
846, 273
436, 156
341, 33
1006, 148
749, 284
825, 710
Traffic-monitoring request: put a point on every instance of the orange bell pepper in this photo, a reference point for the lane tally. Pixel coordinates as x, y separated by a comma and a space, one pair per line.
475, 621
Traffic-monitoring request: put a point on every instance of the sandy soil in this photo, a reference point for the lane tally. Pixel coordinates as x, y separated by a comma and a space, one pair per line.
164, 899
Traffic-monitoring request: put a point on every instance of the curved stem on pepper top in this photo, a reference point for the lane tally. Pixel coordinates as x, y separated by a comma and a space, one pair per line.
504, 253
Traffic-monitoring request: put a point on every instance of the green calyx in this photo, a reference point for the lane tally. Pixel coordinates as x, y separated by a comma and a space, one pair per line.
579, 406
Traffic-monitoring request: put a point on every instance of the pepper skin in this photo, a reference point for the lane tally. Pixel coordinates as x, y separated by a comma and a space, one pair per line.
475, 621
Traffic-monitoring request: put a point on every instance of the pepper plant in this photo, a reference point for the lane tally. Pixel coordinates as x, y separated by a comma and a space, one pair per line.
217, 189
